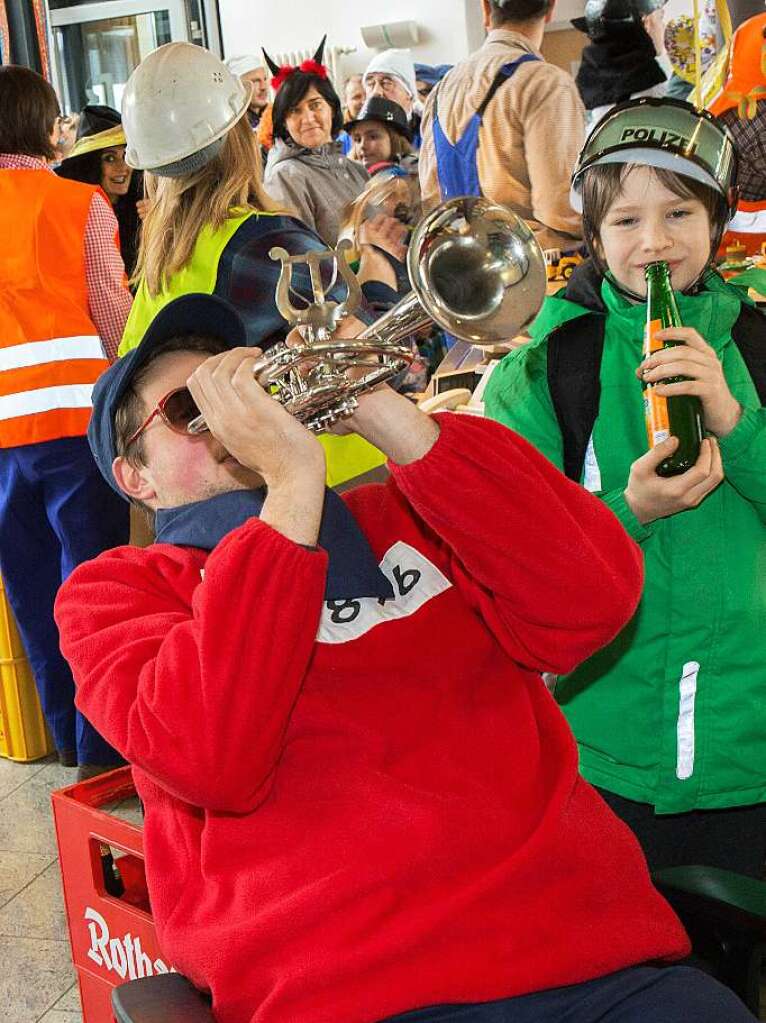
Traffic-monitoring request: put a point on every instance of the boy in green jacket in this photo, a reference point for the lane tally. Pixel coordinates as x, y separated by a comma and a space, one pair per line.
670, 718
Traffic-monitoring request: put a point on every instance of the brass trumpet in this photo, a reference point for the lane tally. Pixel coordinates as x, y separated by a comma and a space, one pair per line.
475, 269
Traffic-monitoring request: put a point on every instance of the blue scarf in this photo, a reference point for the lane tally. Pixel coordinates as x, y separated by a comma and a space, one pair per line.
353, 570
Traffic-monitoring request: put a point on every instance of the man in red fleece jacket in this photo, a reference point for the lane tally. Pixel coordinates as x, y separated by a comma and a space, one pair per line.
361, 801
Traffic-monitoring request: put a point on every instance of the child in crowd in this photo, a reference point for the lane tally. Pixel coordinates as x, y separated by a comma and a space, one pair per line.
669, 716
381, 137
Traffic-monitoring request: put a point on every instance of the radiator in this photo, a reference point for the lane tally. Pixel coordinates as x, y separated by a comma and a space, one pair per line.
333, 59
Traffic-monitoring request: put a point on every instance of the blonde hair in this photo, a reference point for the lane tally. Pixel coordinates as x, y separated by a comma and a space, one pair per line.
179, 207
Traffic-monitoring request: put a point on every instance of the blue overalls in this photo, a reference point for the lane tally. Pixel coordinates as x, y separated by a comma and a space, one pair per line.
56, 511
456, 161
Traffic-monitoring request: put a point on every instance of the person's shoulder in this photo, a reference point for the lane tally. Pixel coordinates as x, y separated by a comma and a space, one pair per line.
375, 503
543, 75
292, 172
72, 185
263, 223
141, 568
530, 358
281, 158
262, 230
78, 192
356, 170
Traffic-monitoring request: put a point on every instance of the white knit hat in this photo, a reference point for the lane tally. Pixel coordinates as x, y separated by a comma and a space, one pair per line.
247, 62
398, 64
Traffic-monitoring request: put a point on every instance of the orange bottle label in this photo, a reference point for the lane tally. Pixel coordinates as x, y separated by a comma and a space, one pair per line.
655, 405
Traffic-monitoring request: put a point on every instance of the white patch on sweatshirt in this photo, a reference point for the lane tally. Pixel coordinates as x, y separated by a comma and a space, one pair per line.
415, 581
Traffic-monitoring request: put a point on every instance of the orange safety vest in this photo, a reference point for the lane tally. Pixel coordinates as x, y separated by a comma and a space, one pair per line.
50, 351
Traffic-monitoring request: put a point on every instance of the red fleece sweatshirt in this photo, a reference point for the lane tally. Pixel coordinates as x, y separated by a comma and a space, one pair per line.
357, 809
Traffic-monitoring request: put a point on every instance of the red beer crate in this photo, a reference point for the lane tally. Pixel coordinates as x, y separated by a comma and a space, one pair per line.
112, 935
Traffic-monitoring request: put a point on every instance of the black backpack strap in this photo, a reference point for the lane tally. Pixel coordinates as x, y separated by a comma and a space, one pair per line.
574, 362
749, 335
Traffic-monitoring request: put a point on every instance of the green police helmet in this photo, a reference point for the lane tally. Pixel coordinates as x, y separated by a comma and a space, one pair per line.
665, 133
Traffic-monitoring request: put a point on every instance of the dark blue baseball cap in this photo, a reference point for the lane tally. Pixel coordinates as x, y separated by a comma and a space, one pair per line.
197, 314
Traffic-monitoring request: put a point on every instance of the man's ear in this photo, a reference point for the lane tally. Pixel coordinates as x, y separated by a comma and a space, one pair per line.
549, 12
486, 13
132, 480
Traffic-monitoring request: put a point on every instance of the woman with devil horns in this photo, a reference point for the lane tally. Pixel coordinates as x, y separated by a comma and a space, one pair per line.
306, 169
210, 225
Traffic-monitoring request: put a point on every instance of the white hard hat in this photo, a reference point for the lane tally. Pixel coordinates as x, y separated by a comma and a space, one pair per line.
178, 105
247, 62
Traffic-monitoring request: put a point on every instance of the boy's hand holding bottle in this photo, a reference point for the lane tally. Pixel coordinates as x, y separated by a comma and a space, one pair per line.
693, 358
651, 497
684, 391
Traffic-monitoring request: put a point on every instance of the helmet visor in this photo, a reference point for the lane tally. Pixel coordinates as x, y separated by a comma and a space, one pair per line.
661, 133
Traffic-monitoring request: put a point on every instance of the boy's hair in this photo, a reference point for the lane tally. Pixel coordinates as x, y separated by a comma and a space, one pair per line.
602, 184
131, 411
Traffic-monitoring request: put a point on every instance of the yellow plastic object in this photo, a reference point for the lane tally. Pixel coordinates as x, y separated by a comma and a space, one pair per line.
23, 733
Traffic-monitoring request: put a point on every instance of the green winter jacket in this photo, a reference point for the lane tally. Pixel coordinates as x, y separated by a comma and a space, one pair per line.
673, 711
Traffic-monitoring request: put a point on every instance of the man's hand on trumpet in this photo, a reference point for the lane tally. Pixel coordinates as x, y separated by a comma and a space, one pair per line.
262, 436
254, 428
384, 418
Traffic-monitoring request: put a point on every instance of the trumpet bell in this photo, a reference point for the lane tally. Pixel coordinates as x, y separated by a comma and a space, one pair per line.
477, 269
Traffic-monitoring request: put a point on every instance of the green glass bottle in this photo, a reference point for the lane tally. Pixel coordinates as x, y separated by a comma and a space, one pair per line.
113, 883
681, 414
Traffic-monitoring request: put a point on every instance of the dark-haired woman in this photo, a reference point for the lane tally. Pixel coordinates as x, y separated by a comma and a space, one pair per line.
306, 169
98, 158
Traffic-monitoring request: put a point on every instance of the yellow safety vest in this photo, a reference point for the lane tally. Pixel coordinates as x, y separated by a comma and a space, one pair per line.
347, 457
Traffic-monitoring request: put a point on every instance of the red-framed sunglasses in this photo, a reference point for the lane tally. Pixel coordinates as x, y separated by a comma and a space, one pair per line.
176, 410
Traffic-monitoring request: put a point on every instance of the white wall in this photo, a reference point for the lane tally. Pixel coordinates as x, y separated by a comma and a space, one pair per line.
284, 25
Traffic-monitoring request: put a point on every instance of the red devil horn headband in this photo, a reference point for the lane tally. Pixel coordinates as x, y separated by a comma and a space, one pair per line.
308, 67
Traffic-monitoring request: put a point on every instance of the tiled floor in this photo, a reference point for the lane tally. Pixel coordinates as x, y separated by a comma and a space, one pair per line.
37, 983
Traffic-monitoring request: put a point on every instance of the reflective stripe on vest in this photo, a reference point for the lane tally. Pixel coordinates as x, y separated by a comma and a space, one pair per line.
348, 456
50, 352
45, 399
59, 349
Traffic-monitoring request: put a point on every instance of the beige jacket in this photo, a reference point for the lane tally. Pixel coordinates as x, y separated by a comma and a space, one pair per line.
532, 132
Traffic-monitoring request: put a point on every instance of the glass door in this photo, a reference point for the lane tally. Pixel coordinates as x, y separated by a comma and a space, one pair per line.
97, 46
